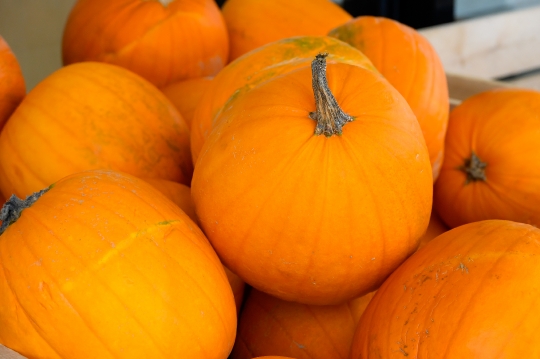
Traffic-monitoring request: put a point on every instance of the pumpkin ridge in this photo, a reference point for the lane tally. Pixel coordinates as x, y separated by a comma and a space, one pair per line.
47, 139
9, 142
91, 269
32, 323
329, 116
39, 222
289, 335
502, 255
328, 336
199, 287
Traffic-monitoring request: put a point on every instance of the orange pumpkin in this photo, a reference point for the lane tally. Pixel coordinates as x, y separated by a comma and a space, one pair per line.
90, 116
490, 171
470, 293
435, 228
164, 41
272, 326
259, 66
181, 195
102, 265
12, 87
254, 23
311, 218
411, 65
185, 95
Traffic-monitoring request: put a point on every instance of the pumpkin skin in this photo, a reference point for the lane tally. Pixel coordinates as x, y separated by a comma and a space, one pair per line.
411, 65
276, 200
254, 23
435, 228
163, 41
104, 266
269, 325
185, 95
500, 127
445, 301
12, 86
259, 66
90, 116
181, 195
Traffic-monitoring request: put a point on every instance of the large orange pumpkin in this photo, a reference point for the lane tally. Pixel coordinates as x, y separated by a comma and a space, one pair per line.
411, 65
489, 170
254, 23
472, 292
315, 199
164, 41
185, 95
259, 66
12, 87
102, 265
272, 326
181, 195
90, 116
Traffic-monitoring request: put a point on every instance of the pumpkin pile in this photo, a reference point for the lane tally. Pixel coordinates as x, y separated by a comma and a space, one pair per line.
266, 180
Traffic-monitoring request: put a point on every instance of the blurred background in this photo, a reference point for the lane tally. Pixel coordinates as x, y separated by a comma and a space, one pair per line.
33, 28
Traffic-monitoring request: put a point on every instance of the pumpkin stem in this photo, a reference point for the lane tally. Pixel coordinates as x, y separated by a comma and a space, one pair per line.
474, 168
329, 116
12, 209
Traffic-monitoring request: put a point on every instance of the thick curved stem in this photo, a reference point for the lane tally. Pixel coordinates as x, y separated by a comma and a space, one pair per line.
12, 209
474, 168
329, 116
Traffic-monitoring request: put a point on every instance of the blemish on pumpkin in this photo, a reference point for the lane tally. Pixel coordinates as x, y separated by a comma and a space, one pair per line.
119, 249
463, 267
300, 346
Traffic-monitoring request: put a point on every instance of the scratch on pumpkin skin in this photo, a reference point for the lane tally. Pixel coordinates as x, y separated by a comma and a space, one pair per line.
118, 248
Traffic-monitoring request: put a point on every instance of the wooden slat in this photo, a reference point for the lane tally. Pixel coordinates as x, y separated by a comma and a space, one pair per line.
6, 353
490, 46
461, 87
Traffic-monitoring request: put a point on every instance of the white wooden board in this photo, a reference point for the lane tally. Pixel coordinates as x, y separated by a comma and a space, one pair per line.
491, 46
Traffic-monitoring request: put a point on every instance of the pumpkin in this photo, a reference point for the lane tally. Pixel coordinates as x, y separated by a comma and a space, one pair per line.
90, 116
269, 325
435, 228
164, 41
259, 66
102, 265
181, 195
470, 293
254, 23
185, 95
12, 87
489, 170
315, 198
411, 65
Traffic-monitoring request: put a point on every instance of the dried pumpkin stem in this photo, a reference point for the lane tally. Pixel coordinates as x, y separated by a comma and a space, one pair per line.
12, 209
329, 116
474, 168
